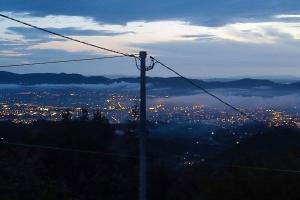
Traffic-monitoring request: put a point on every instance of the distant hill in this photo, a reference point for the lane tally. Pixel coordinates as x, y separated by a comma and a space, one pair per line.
172, 82
50, 78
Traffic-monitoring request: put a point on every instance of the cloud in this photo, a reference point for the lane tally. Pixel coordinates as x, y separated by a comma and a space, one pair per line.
155, 32
239, 47
199, 36
134, 34
11, 54
286, 16
207, 12
210, 58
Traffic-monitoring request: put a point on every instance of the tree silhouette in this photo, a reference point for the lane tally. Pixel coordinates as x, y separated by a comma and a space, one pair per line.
98, 116
66, 115
84, 114
135, 111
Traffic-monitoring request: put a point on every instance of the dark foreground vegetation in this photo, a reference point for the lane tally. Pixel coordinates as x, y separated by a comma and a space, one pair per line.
109, 169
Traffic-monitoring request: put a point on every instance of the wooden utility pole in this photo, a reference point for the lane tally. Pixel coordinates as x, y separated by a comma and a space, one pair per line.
143, 134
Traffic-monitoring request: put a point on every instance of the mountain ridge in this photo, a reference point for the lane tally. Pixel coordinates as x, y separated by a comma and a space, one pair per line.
171, 82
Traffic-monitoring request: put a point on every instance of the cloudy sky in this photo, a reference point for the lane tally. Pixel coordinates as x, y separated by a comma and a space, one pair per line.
199, 38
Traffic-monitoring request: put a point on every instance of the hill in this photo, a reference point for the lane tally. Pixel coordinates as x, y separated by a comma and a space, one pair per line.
158, 82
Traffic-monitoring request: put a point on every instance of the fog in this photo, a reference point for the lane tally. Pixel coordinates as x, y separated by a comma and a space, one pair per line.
240, 98
116, 86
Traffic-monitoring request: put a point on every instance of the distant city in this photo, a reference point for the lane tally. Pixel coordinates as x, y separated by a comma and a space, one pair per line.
29, 106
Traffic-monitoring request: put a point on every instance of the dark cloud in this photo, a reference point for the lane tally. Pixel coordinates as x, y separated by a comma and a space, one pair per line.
208, 12
203, 57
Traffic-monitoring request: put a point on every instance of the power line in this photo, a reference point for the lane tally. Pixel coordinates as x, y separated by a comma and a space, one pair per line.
53, 148
68, 150
244, 167
66, 37
60, 61
205, 90
265, 169
253, 168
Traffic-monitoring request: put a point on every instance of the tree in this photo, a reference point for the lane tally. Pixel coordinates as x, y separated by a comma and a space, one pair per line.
66, 115
98, 116
135, 111
84, 114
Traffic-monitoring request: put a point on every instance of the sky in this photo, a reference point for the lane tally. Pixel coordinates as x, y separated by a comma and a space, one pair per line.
198, 38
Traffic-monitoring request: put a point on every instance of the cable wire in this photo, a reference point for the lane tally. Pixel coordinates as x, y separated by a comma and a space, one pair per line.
253, 168
136, 63
206, 91
66, 37
68, 150
60, 61
265, 169
53, 148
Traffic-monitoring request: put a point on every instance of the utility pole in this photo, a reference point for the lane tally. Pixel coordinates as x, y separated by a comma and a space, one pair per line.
143, 134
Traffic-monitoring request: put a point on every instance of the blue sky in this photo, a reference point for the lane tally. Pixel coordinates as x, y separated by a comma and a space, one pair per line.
200, 38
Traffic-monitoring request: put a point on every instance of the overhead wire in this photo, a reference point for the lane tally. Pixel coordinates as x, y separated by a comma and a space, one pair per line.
136, 63
66, 37
205, 90
265, 169
68, 150
60, 61
99, 153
